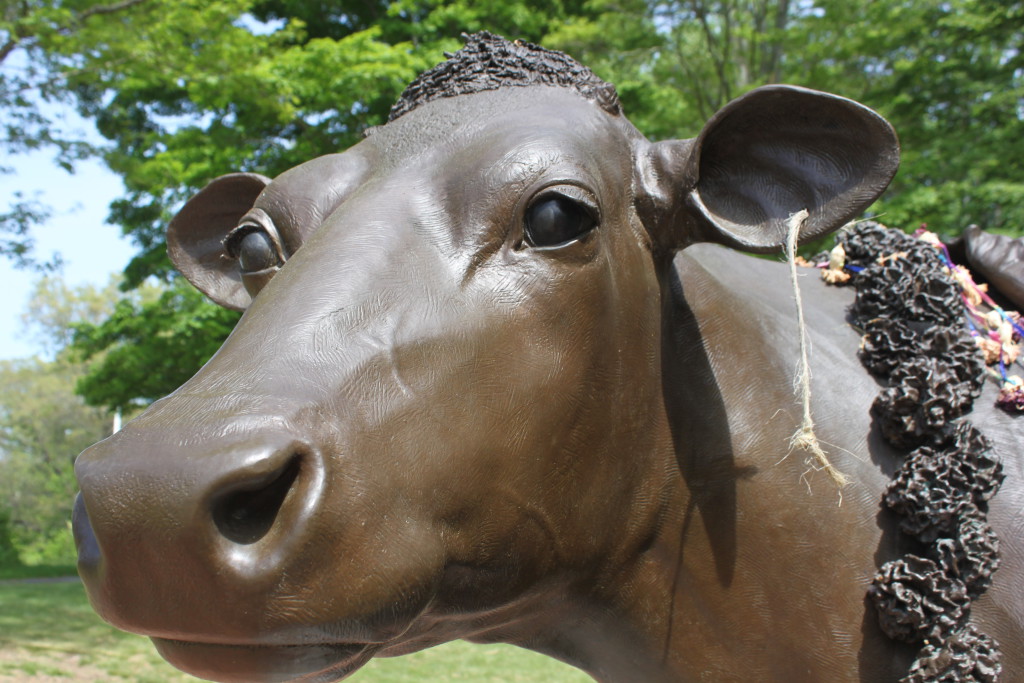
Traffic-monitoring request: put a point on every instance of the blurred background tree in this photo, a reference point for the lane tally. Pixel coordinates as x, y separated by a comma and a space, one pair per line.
185, 90
44, 424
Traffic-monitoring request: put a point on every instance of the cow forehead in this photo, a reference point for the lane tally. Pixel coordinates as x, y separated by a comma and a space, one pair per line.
497, 120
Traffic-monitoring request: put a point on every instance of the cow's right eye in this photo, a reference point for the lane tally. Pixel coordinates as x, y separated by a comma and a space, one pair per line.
257, 248
256, 252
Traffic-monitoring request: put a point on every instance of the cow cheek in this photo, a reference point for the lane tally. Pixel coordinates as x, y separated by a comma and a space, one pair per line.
485, 446
466, 464
522, 488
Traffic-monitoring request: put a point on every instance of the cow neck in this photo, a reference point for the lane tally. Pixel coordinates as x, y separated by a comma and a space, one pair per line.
714, 439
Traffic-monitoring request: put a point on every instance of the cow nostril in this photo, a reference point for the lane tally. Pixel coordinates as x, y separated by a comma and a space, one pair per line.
246, 514
85, 538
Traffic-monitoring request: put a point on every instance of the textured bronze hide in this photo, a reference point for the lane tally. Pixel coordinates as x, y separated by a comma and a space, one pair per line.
426, 428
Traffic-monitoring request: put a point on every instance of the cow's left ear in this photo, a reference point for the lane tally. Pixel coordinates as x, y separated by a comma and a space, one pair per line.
759, 160
195, 237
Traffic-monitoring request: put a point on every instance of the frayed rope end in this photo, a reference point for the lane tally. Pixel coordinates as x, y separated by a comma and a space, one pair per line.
805, 438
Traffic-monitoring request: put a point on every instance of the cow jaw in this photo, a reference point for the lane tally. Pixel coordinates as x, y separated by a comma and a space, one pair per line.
264, 664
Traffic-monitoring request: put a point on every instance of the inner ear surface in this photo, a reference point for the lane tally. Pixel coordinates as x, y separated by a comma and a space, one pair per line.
785, 150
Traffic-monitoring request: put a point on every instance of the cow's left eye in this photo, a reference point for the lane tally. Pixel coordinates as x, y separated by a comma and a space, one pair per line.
554, 220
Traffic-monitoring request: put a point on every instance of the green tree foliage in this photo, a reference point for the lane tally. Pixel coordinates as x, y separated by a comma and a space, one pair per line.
54, 308
676, 62
16, 223
32, 81
185, 90
146, 348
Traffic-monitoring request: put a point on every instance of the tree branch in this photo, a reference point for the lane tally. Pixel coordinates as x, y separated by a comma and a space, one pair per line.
700, 10
775, 55
8, 48
107, 9
757, 47
699, 93
17, 36
727, 47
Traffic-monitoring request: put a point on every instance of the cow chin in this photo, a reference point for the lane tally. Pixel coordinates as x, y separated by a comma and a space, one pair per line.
264, 664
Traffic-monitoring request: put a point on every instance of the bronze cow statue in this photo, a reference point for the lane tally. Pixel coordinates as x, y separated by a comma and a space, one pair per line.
497, 379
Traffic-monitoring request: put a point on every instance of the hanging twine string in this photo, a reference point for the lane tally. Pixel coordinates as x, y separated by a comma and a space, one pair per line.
804, 437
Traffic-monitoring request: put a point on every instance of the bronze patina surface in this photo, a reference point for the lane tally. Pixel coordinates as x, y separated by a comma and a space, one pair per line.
498, 379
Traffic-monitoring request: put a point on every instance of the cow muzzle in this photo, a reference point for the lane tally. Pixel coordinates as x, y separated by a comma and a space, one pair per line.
196, 546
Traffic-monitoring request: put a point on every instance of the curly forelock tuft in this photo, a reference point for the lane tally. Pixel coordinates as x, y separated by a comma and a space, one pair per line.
490, 62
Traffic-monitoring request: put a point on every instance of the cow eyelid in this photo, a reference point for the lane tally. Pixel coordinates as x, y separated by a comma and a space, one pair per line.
574, 193
256, 247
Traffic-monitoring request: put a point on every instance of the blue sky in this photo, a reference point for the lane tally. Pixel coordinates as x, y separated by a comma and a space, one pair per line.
91, 249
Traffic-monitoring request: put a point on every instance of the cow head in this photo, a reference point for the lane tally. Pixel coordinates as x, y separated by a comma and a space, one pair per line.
442, 411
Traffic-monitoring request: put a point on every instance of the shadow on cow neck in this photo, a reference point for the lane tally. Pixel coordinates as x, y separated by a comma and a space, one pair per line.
700, 429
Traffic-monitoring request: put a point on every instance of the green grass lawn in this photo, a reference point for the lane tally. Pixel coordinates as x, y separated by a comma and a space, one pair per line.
37, 571
48, 633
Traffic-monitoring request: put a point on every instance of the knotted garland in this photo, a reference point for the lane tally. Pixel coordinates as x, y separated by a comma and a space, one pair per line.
910, 308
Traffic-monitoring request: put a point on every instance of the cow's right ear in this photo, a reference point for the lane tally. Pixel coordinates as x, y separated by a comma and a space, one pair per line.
195, 237
762, 158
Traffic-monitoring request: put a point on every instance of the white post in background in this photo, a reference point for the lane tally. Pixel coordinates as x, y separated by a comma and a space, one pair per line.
117, 421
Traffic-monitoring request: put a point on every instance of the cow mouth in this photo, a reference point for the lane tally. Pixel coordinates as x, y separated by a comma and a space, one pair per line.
265, 663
